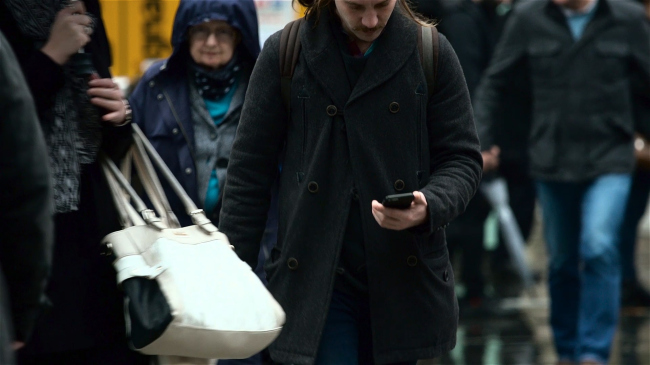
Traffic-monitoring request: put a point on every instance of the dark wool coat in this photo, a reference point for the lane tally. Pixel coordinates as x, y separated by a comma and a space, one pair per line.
586, 97
383, 137
87, 306
26, 208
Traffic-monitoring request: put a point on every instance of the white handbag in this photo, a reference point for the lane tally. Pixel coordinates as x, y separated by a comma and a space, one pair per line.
186, 291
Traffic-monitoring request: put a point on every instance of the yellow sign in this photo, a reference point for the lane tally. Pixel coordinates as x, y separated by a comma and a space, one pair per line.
140, 30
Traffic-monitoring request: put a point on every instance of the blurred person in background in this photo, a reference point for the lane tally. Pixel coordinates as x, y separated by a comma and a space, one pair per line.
633, 293
585, 67
26, 210
473, 28
80, 111
360, 283
189, 105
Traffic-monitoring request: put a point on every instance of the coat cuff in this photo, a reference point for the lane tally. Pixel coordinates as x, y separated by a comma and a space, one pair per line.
429, 227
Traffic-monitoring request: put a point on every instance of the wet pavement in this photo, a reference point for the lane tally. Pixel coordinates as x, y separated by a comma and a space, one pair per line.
525, 337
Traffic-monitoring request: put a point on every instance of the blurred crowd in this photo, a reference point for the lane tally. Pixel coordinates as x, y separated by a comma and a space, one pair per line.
560, 93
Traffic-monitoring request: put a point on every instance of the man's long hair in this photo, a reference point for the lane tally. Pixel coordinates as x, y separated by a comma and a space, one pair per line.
314, 7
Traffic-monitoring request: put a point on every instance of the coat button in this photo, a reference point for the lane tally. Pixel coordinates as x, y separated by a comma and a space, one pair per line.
292, 263
312, 187
355, 195
331, 110
160, 96
340, 270
445, 275
393, 107
188, 171
175, 131
152, 84
213, 136
399, 185
411, 261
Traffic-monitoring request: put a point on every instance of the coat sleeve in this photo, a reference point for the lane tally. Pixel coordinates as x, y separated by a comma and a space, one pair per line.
254, 157
26, 209
640, 78
44, 76
455, 158
507, 72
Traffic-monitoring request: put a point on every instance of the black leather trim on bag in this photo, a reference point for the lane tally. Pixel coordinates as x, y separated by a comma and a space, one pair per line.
148, 313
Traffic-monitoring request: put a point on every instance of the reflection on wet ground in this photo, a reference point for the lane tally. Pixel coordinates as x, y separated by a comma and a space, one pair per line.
525, 337
514, 341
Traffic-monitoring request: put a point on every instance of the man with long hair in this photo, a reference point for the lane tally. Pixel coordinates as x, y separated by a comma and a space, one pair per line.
360, 283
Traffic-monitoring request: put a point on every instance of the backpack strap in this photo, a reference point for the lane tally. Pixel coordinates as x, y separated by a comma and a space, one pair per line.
429, 46
289, 53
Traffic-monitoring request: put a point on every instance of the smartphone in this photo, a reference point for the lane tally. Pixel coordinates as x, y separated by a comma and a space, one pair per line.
398, 201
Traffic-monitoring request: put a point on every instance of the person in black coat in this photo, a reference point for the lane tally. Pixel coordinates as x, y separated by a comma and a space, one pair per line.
584, 65
473, 28
25, 208
359, 282
80, 110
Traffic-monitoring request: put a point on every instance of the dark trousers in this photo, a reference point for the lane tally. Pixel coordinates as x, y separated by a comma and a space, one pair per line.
636, 207
347, 336
466, 233
522, 195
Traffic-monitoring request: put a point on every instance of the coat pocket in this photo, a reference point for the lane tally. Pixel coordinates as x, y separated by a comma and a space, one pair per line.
432, 248
273, 263
611, 60
544, 57
435, 256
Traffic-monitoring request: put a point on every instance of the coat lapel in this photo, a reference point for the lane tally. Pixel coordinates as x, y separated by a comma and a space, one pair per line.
394, 47
323, 56
602, 20
324, 60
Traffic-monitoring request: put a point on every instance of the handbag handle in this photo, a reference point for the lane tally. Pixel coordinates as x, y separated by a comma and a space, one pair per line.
197, 215
115, 178
127, 215
152, 185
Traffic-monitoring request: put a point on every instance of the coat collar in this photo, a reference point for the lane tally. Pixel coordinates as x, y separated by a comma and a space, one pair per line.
323, 56
602, 19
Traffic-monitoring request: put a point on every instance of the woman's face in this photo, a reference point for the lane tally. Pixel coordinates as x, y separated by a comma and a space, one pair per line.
213, 43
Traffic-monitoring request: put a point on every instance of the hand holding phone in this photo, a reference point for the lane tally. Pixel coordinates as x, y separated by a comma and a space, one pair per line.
412, 211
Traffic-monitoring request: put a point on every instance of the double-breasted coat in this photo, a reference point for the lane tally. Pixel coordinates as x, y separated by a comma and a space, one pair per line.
344, 147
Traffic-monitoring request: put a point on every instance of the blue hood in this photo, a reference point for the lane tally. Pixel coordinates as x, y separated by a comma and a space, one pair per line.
240, 14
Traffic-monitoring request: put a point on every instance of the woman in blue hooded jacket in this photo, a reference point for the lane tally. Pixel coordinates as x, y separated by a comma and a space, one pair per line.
189, 104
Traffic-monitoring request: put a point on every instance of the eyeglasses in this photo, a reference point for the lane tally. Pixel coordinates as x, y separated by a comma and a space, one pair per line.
202, 32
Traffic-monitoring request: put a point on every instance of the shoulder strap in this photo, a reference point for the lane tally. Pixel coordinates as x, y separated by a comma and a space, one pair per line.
289, 53
429, 45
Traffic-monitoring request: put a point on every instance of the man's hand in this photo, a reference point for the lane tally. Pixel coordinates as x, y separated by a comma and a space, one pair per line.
17, 345
491, 159
70, 32
401, 219
106, 94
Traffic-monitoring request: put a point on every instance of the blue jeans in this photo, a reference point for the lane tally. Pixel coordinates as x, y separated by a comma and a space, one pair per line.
636, 207
581, 226
347, 335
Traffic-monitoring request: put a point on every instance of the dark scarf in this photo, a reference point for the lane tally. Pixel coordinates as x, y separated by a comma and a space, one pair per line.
215, 84
74, 134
